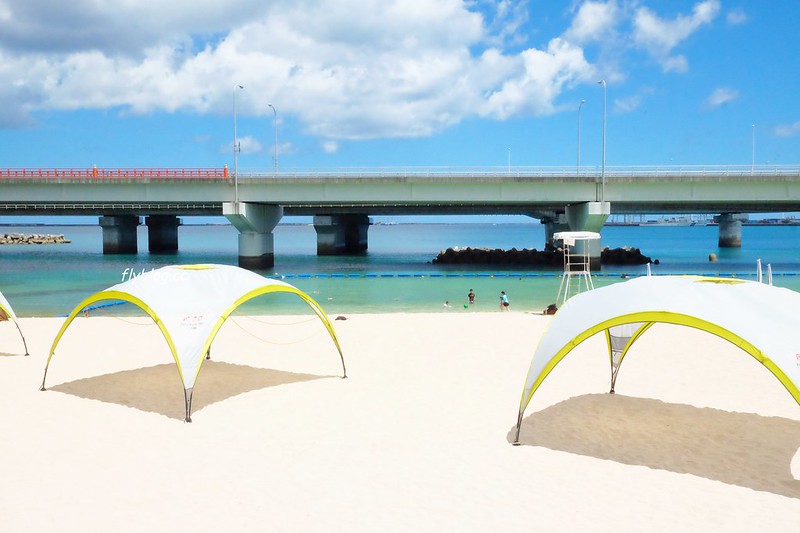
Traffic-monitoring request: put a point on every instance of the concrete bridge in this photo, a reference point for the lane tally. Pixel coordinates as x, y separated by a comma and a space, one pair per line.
341, 201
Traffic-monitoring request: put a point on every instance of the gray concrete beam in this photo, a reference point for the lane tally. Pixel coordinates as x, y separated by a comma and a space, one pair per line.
255, 223
730, 229
341, 234
119, 234
589, 216
162, 233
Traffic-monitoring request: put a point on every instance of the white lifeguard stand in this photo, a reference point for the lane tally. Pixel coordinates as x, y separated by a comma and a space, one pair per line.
577, 275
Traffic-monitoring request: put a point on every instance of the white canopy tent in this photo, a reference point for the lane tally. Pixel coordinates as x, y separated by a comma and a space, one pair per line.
6, 313
190, 303
760, 319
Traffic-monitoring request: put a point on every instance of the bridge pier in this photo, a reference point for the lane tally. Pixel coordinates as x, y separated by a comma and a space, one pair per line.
255, 223
588, 216
162, 233
119, 234
341, 234
552, 225
730, 229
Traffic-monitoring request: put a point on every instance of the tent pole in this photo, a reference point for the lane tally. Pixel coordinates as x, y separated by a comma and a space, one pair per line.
187, 394
614, 372
44, 378
25, 344
519, 426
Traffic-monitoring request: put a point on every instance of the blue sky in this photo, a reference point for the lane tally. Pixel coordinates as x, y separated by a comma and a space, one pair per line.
398, 82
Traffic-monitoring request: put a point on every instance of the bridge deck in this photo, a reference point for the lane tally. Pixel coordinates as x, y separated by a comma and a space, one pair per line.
533, 191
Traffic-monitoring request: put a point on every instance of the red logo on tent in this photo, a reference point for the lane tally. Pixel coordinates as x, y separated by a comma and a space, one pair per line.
192, 321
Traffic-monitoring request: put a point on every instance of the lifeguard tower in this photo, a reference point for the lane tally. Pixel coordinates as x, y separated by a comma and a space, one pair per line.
577, 275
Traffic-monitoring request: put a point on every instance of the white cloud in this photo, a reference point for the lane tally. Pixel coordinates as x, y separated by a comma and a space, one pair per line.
592, 22
722, 95
660, 36
633, 102
330, 147
507, 22
538, 79
788, 130
247, 145
400, 68
677, 63
736, 17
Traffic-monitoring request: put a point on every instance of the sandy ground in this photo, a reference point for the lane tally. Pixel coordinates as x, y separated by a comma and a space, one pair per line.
699, 436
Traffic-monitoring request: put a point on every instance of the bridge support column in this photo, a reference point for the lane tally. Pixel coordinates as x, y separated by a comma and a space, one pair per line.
119, 234
341, 234
730, 229
589, 216
553, 224
162, 233
255, 223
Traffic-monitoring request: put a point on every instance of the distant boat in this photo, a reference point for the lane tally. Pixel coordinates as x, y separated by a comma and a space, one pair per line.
673, 221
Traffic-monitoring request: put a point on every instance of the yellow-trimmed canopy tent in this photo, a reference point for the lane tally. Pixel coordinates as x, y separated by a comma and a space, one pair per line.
190, 303
760, 319
7, 314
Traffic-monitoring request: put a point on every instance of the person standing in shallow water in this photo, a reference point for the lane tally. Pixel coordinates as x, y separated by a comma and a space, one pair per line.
503, 301
471, 297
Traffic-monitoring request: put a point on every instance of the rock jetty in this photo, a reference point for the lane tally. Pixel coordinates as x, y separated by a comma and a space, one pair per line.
18, 238
533, 257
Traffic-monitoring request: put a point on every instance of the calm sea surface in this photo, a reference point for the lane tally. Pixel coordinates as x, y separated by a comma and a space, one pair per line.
394, 276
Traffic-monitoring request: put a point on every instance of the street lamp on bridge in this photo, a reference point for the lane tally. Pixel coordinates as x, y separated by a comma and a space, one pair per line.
235, 146
578, 168
275, 159
603, 168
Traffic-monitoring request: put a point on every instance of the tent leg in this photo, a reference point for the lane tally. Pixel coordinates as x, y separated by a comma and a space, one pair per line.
25, 344
44, 378
614, 372
188, 397
208, 353
519, 427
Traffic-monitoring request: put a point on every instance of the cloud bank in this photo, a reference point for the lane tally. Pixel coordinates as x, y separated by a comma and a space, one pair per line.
346, 69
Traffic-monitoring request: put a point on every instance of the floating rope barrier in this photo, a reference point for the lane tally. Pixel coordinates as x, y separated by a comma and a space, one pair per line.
98, 307
558, 274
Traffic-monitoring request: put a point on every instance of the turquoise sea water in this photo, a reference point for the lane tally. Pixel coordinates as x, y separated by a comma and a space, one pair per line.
395, 275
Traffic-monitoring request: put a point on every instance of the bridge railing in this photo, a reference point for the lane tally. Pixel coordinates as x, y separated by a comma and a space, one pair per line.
95, 173
595, 172
526, 171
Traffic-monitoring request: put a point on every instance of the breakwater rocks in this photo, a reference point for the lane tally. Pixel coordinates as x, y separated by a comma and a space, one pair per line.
18, 238
528, 257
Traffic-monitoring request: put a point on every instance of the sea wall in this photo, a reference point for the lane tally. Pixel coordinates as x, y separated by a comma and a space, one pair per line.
35, 238
533, 257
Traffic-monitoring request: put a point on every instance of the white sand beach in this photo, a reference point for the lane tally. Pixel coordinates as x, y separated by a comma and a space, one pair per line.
699, 437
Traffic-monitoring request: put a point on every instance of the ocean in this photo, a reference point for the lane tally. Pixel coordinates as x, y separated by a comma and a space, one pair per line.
395, 275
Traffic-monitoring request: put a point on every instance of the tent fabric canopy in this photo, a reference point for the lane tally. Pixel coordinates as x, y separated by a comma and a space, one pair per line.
758, 318
190, 303
6, 313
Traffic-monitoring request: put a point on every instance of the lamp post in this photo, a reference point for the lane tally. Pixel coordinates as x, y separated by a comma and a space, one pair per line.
578, 167
235, 146
509, 160
275, 161
603, 168
753, 159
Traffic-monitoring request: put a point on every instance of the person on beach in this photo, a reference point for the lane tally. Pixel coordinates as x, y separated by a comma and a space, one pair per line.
503, 301
471, 297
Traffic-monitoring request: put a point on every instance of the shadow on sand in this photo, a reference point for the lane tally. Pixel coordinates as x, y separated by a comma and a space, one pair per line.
742, 449
158, 389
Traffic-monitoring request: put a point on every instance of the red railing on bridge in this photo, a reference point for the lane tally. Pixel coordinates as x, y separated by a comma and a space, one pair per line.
95, 173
